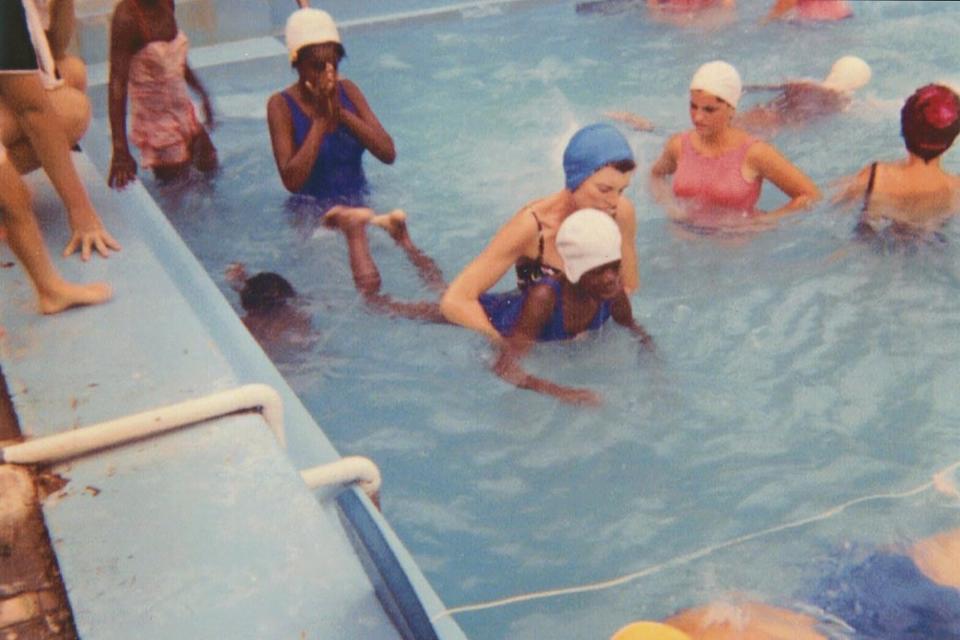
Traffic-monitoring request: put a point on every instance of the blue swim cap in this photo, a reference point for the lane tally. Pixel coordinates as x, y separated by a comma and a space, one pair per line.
592, 148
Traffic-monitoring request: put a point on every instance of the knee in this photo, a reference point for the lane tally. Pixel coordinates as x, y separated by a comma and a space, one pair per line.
74, 72
73, 112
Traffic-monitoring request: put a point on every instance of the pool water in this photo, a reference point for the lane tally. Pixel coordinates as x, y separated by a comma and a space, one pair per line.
796, 370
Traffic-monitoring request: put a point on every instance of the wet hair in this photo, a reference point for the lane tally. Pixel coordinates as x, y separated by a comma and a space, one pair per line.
336, 47
265, 291
930, 121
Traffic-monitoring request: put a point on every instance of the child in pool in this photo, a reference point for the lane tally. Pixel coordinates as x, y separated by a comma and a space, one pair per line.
581, 298
270, 314
148, 58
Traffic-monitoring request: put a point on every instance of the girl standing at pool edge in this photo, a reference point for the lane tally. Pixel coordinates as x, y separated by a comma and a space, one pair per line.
148, 56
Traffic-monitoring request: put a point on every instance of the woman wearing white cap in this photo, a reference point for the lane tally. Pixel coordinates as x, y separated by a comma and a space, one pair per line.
800, 101
581, 297
718, 169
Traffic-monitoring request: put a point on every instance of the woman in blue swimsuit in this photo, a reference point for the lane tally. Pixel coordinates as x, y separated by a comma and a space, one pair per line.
320, 127
582, 297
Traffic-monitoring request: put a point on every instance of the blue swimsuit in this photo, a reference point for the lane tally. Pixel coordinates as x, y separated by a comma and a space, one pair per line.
337, 173
503, 310
887, 597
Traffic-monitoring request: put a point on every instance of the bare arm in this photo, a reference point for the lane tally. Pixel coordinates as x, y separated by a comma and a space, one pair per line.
626, 219
62, 24
461, 301
536, 312
772, 166
194, 82
124, 40
366, 127
622, 313
779, 9
665, 166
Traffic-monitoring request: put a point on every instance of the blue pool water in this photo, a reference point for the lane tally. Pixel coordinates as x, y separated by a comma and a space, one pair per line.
797, 371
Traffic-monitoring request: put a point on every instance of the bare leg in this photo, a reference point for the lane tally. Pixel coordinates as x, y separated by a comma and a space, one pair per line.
26, 97
395, 223
204, 153
23, 234
353, 222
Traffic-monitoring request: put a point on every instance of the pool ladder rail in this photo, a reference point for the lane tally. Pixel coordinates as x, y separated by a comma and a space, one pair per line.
121, 431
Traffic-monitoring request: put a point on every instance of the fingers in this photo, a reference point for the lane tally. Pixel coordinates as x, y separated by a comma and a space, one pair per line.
87, 242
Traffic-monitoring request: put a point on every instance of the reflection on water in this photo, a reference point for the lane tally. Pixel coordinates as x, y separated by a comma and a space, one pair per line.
798, 370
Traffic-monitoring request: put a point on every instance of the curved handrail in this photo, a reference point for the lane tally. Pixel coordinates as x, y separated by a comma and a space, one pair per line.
78, 442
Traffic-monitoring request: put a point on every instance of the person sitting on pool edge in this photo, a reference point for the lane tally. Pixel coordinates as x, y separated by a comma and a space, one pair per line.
911, 199
901, 593
582, 297
598, 165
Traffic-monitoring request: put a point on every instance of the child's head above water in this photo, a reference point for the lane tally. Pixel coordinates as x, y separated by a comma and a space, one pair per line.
930, 121
587, 239
265, 291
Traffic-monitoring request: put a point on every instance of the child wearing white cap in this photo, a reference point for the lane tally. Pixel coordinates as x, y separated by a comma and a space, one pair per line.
588, 292
718, 169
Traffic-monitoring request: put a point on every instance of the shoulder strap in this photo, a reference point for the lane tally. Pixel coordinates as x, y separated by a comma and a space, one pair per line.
870, 182
539, 235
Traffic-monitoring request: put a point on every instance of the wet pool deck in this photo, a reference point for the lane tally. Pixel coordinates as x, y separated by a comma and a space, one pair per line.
207, 532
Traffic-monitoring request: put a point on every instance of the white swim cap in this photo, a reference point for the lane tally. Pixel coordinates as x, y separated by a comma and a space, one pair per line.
720, 79
649, 631
309, 26
848, 74
587, 239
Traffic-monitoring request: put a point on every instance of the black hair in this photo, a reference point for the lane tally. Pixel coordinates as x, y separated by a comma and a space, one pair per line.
265, 291
336, 46
623, 166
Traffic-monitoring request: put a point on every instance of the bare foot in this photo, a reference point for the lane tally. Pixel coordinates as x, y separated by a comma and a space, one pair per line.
394, 223
66, 294
343, 217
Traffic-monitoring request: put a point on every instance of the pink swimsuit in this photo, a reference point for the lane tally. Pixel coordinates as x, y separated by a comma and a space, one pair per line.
823, 9
715, 185
163, 120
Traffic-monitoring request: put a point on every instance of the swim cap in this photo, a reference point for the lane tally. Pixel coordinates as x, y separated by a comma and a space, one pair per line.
264, 291
591, 149
309, 26
930, 121
649, 631
720, 79
847, 74
587, 239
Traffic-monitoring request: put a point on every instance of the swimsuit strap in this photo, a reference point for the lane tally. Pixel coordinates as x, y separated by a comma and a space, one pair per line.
539, 235
870, 182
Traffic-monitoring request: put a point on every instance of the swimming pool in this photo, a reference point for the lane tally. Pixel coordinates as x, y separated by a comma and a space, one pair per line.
796, 371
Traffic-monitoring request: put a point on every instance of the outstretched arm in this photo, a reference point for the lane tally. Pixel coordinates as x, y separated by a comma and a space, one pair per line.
536, 312
124, 39
194, 82
622, 313
663, 168
461, 301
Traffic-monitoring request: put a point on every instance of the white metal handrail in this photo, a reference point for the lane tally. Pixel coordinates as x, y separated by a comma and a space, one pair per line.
78, 442
345, 471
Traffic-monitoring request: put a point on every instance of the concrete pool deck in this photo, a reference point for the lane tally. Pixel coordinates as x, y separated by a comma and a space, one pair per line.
204, 532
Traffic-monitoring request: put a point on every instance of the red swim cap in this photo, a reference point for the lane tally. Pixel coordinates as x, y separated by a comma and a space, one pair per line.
930, 120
